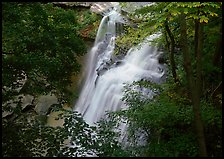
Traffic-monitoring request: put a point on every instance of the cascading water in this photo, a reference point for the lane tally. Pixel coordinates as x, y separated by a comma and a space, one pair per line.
102, 90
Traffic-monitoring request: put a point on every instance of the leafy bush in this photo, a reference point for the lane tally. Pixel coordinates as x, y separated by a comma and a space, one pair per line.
31, 138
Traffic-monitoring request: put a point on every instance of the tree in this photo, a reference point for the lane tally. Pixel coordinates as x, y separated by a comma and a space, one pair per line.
193, 87
171, 52
40, 43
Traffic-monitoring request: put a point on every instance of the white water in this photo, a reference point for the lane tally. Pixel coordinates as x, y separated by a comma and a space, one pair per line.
103, 92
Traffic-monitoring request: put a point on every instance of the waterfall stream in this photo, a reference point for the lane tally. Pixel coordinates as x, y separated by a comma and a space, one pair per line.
103, 87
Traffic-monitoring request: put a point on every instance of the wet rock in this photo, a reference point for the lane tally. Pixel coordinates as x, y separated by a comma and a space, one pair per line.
108, 37
161, 60
102, 47
103, 67
118, 63
101, 71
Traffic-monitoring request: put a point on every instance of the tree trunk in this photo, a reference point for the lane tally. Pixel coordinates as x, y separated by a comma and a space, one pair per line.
171, 52
198, 53
167, 41
196, 37
193, 89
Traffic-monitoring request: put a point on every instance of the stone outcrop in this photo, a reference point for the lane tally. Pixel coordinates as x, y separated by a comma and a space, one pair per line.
73, 4
44, 102
26, 101
101, 7
96, 7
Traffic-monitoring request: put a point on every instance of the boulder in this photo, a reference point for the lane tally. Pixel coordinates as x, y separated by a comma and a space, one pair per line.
27, 100
44, 102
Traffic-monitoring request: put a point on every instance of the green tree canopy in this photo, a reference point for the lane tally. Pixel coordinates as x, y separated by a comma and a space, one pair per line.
39, 41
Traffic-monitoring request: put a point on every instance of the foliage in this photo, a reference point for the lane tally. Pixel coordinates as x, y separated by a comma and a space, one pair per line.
133, 37
87, 18
31, 138
88, 23
95, 140
167, 121
208, 13
41, 41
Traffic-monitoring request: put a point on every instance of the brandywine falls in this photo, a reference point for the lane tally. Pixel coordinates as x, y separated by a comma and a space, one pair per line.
106, 73
112, 79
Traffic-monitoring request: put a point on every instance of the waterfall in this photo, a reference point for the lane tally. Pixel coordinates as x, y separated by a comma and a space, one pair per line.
103, 87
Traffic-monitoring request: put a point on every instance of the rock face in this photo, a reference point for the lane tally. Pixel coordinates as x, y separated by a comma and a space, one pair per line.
73, 4
100, 7
44, 103
132, 6
96, 7
53, 118
26, 100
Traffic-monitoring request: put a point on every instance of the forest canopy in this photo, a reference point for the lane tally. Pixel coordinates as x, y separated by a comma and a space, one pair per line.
39, 42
